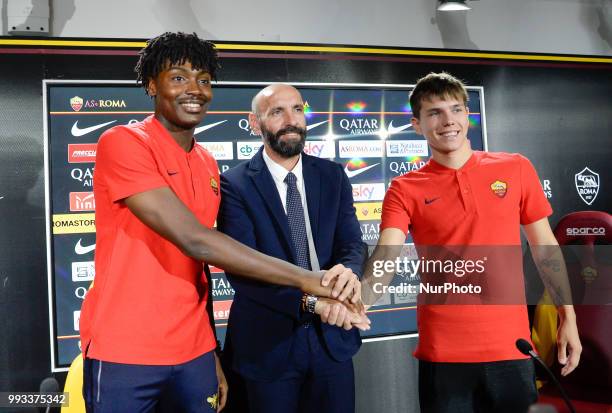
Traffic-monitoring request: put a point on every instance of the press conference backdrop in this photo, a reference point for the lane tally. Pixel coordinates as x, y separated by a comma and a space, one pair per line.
365, 128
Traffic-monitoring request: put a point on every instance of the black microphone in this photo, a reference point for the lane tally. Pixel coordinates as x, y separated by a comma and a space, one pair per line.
49, 385
525, 347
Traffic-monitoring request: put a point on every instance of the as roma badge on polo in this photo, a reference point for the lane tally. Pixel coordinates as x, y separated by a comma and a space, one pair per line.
499, 188
213, 400
214, 185
589, 274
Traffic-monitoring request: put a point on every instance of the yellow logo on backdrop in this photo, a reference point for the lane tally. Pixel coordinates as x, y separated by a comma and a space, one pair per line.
367, 211
74, 223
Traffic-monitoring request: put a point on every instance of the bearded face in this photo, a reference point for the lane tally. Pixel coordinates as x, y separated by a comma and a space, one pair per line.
287, 142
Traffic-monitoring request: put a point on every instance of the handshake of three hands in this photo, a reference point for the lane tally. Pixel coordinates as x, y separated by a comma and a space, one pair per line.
339, 300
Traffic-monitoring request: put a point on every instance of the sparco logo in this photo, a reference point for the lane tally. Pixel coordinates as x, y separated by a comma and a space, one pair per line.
587, 185
81, 152
601, 231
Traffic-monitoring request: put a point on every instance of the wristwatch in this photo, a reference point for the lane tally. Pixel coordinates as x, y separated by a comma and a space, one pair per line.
309, 302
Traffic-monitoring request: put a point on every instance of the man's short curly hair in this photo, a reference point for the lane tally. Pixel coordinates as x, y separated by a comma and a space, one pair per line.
175, 49
441, 85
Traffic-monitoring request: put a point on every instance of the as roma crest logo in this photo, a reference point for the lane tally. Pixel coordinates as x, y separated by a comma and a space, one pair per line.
589, 274
587, 185
214, 185
499, 188
76, 103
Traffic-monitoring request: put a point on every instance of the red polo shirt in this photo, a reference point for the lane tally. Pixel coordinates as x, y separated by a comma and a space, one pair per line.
148, 302
483, 203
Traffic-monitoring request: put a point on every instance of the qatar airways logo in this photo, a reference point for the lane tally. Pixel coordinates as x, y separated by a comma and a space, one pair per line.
359, 126
546, 188
403, 167
83, 175
320, 149
370, 231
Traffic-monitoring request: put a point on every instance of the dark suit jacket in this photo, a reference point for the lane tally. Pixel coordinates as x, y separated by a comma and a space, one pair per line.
264, 317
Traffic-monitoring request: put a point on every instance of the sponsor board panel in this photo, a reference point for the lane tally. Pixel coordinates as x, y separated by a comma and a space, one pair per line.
401, 166
82, 177
370, 136
82, 152
221, 309
546, 187
246, 150
77, 318
402, 149
74, 223
320, 149
368, 192
368, 211
221, 151
82, 201
370, 231
83, 271
361, 170
361, 148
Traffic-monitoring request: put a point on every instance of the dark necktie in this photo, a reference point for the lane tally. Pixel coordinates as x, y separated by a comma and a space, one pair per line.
297, 224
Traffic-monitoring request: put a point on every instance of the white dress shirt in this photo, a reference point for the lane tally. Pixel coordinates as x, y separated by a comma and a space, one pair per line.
279, 173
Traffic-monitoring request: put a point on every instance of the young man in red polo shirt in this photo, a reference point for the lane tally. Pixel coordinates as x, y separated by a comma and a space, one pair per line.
468, 361
146, 335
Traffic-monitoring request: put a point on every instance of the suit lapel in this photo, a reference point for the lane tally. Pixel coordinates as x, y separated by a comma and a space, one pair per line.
267, 188
312, 183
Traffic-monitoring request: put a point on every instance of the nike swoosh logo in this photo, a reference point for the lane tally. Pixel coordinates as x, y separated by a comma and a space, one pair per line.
76, 131
314, 125
392, 129
429, 201
1, 197
81, 250
356, 172
207, 127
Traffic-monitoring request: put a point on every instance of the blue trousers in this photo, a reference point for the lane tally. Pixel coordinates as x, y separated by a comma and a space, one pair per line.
133, 388
313, 381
